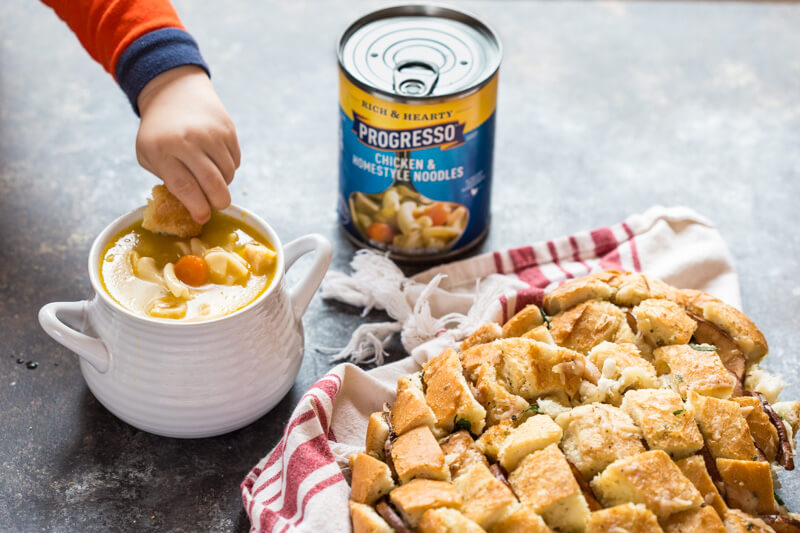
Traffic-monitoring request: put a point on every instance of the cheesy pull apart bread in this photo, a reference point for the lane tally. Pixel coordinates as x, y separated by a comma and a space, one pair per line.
623, 404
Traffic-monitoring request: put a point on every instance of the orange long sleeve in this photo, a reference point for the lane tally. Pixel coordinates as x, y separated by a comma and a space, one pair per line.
106, 28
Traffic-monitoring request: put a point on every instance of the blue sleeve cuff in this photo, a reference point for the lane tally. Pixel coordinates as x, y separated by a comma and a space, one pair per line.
154, 53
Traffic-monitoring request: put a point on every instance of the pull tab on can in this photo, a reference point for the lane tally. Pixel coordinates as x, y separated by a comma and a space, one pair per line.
413, 77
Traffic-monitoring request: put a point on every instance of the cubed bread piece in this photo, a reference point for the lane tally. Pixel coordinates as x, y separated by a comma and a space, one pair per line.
757, 379
665, 422
568, 295
486, 333
485, 498
748, 485
535, 433
765, 435
446, 520
460, 452
625, 518
702, 520
650, 478
633, 288
624, 364
590, 323
377, 433
729, 353
541, 334
419, 495
372, 479
409, 409
417, 454
521, 519
367, 520
699, 369
493, 438
499, 403
477, 356
596, 435
524, 321
166, 214
741, 329
694, 468
531, 369
448, 395
790, 413
544, 481
723, 426
737, 521
663, 322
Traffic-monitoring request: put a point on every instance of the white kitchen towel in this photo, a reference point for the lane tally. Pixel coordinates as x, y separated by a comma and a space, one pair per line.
301, 484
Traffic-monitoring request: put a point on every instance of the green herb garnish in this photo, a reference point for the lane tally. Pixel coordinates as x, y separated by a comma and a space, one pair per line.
750, 526
778, 498
678, 378
703, 348
679, 411
533, 408
461, 423
544, 317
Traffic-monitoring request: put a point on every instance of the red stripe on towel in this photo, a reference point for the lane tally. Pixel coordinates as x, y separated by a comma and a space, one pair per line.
637, 266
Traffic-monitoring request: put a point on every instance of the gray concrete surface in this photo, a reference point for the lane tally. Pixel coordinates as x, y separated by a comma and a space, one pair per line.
605, 109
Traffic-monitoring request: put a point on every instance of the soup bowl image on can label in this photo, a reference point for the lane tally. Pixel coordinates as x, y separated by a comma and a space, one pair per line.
417, 95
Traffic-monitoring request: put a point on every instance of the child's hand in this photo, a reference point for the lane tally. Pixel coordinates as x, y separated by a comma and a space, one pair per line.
187, 139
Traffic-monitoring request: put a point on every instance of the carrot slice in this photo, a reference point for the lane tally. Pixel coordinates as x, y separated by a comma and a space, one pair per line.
381, 232
438, 213
192, 270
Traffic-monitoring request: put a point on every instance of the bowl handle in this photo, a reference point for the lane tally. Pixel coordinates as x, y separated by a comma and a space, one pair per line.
61, 321
304, 290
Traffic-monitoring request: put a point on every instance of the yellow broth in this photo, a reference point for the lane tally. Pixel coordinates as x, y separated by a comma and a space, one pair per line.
211, 300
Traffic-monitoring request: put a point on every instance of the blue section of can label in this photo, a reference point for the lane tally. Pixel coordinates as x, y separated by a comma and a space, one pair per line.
416, 179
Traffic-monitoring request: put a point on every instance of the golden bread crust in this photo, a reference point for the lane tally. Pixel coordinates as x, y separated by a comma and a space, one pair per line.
416, 454
723, 426
524, 321
410, 409
417, 496
485, 498
627, 517
694, 468
700, 369
596, 435
372, 479
664, 421
662, 322
737, 521
367, 520
484, 334
166, 214
460, 452
592, 287
748, 485
449, 396
736, 324
650, 478
585, 326
702, 520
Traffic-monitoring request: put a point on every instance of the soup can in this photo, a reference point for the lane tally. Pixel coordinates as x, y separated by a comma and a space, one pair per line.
417, 95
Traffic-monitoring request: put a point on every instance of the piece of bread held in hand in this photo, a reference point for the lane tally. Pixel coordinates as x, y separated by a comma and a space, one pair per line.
166, 214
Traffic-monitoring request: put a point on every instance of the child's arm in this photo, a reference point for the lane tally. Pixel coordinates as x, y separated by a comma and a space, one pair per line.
185, 137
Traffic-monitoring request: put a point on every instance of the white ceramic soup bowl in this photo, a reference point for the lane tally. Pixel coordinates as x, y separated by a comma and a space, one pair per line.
191, 379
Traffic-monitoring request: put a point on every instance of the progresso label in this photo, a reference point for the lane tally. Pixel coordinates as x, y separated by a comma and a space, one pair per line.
415, 177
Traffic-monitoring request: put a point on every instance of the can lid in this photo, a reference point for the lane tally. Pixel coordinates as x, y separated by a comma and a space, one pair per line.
419, 51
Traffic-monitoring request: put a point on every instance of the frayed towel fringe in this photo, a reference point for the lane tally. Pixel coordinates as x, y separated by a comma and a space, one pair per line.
377, 283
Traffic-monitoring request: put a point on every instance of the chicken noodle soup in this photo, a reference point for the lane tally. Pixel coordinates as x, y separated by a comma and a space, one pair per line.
402, 219
217, 273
